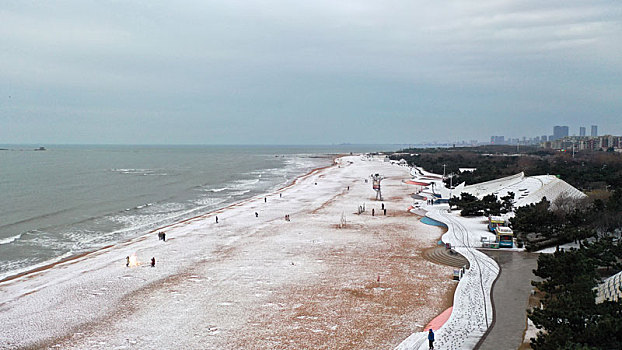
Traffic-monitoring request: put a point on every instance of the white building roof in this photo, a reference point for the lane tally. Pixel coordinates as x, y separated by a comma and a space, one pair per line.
526, 189
610, 289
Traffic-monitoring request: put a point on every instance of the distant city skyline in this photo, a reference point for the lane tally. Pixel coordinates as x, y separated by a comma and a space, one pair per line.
320, 72
559, 132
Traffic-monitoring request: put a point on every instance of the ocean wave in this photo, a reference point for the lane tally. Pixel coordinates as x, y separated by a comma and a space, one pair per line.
119, 224
209, 201
38, 217
245, 183
138, 207
215, 190
47, 239
78, 240
25, 265
239, 193
10, 239
140, 172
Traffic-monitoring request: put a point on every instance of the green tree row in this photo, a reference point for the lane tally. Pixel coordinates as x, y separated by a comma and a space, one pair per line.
569, 316
469, 205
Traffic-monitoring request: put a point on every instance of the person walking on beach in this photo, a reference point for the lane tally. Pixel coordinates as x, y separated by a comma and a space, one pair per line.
216, 218
256, 214
153, 262
127, 261
431, 339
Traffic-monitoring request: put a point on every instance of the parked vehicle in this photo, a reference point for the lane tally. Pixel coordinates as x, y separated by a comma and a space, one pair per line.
505, 237
496, 221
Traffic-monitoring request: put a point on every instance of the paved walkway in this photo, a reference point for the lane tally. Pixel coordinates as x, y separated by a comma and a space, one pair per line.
510, 294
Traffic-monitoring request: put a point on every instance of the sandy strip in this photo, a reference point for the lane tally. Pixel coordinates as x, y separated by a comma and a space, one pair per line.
249, 282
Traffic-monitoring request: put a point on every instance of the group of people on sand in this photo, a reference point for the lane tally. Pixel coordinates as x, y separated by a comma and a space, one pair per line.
161, 237
162, 234
127, 261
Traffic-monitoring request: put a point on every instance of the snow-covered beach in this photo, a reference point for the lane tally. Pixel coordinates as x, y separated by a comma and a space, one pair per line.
252, 280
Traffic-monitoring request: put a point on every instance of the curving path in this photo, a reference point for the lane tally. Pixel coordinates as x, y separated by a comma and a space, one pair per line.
472, 313
511, 295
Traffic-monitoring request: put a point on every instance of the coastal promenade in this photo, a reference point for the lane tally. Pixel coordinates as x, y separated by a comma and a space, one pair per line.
511, 295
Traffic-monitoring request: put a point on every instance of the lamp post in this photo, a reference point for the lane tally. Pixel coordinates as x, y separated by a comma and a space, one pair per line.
451, 186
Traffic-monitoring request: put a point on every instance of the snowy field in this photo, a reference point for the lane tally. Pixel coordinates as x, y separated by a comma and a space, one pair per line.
254, 281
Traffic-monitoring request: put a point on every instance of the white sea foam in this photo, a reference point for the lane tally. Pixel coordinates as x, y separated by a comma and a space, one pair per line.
141, 172
239, 193
210, 201
30, 267
217, 189
245, 183
132, 171
168, 213
10, 239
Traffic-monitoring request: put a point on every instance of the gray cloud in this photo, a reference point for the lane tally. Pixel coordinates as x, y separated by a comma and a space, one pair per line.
306, 72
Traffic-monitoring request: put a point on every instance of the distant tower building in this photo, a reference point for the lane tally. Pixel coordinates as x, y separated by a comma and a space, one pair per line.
497, 140
559, 132
594, 131
582, 131
544, 138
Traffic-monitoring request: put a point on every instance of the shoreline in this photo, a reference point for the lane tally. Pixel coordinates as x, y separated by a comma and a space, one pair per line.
249, 280
74, 257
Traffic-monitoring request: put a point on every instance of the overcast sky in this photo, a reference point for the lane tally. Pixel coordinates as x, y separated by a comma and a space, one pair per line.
306, 72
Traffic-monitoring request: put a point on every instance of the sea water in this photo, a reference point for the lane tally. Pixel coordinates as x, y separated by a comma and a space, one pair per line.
71, 199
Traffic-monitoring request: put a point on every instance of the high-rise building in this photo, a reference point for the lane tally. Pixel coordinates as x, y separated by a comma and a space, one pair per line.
559, 132
594, 131
497, 140
543, 138
582, 131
